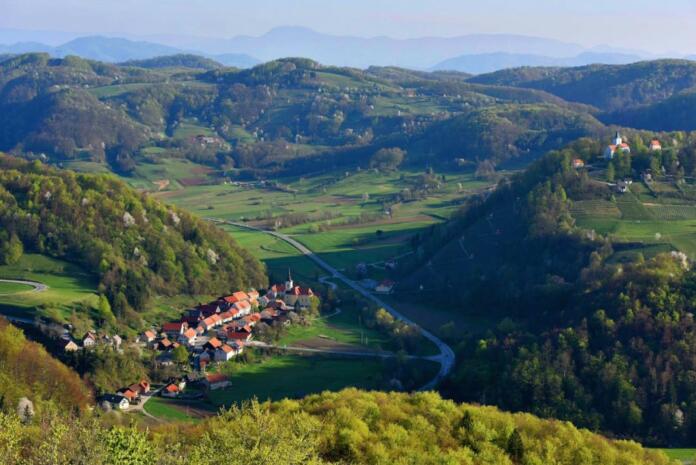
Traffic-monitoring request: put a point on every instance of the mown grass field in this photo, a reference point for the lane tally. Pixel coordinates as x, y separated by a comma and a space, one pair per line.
686, 456
67, 285
344, 327
168, 410
294, 376
13, 288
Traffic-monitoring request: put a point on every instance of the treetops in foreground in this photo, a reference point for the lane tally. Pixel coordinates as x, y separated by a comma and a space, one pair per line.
348, 427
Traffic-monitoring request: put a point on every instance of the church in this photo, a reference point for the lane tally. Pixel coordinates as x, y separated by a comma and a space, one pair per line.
618, 146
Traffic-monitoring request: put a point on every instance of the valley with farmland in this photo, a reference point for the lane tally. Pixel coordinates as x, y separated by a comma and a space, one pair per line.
348, 260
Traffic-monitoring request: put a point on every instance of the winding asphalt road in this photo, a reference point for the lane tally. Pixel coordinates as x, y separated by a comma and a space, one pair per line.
36, 287
446, 357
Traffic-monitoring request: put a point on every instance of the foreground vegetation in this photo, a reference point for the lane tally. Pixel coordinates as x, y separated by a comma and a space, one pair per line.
347, 427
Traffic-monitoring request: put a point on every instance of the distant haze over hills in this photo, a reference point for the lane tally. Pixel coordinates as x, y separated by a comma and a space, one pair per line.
473, 53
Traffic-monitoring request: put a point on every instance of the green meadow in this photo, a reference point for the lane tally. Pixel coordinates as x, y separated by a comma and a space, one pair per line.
295, 376
67, 286
686, 456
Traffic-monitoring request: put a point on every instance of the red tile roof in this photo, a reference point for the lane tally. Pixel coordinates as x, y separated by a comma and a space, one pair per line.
174, 326
214, 342
171, 387
227, 349
215, 377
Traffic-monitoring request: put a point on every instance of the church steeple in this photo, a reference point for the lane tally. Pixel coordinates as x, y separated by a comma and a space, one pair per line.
289, 284
618, 140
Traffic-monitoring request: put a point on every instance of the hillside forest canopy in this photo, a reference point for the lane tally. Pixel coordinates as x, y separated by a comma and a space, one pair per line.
138, 247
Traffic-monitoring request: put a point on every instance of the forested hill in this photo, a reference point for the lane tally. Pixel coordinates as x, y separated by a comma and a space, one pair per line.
585, 328
137, 246
267, 117
348, 427
647, 95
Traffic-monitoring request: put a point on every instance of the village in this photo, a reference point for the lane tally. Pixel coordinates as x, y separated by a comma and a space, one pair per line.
207, 335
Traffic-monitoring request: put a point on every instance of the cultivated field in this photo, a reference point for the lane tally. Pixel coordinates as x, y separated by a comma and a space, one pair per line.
658, 219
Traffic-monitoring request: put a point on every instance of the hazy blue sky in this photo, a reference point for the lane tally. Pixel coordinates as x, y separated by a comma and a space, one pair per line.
665, 25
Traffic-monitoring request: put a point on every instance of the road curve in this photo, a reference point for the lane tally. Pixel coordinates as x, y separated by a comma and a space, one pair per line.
446, 357
37, 286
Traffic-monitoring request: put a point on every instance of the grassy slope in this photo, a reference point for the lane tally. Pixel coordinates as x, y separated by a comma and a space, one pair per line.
294, 376
67, 285
655, 219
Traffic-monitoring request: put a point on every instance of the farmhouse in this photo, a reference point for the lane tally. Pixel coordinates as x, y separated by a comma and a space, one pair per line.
68, 345
170, 390
224, 353
175, 329
213, 344
148, 336
89, 339
189, 337
129, 394
214, 381
114, 401
578, 163
655, 145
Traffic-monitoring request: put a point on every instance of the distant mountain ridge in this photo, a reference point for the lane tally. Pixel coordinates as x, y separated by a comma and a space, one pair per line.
485, 52
491, 62
116, 50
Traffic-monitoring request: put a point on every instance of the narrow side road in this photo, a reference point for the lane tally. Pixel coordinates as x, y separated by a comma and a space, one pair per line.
37, 287
446, 357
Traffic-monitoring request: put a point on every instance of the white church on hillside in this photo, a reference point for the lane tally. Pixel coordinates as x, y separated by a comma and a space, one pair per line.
618, 146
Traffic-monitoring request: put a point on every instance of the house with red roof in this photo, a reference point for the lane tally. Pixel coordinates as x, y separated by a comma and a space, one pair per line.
213, 344
189, 337
224, 353
214, 381
174, 329
170, 390
128, 394
148, 336
655, 145
243, 307
229, 315
242, 333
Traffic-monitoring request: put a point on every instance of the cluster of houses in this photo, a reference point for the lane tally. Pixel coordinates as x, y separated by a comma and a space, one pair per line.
219, 330
90, 340
213, 332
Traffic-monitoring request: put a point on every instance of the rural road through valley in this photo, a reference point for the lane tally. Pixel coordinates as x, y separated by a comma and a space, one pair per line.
446, 356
